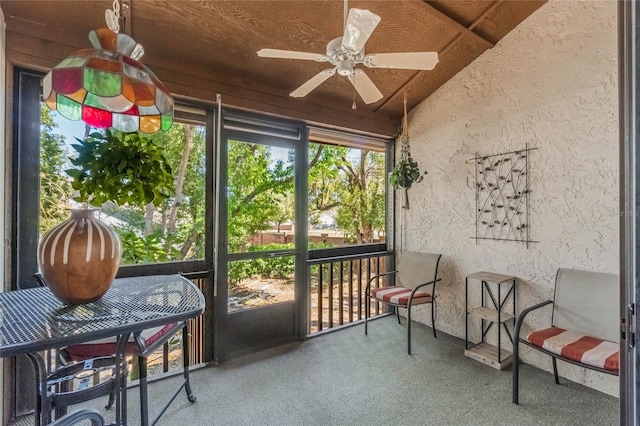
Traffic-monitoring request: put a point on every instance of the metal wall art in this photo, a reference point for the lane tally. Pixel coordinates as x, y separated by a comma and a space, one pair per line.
502, 196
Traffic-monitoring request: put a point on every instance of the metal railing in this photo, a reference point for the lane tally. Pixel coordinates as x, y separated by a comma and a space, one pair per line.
337, 289
169, 357
337, 286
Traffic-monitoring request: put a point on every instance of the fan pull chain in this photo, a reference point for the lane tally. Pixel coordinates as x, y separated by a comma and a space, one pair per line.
353, 105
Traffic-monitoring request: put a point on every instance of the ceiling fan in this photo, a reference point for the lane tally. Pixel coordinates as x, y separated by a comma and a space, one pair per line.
345, 52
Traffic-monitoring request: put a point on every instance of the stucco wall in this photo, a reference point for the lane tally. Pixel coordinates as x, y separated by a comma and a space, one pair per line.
551, 83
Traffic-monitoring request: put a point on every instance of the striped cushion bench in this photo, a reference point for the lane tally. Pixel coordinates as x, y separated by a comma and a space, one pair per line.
397, 295
584, 328
578, 347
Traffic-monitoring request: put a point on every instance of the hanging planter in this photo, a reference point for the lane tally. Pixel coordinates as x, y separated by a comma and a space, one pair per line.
79, 258
406, 171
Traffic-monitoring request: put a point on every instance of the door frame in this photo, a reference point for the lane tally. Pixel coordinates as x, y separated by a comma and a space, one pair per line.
629, 102
257, 328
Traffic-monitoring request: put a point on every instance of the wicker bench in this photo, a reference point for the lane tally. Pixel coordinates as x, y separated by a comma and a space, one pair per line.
584, 324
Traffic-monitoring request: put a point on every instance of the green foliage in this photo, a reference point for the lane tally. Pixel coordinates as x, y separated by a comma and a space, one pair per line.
351, 184
189, 234
406, 172
144, 249
362, 199
125, 168
275, 267
255, 189
55, 188
326, 178
345, 182
145, 235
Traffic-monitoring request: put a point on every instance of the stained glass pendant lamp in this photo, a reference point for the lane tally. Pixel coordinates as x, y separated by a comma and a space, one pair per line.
108, 86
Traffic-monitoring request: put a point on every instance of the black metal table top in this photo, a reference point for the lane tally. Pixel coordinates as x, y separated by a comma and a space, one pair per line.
33, 320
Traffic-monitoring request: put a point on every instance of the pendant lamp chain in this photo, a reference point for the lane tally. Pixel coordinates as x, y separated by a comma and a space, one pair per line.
113, 17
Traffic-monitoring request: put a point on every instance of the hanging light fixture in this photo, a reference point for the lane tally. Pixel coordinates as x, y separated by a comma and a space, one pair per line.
108, 86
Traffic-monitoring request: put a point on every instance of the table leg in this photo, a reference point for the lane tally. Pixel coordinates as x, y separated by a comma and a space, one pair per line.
144, 400
43, 409
121, 380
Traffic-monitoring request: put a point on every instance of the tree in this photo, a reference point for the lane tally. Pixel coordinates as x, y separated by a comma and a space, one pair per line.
351, 183
347, 181
362, 199
324, 178
180, 220
255, 184
285, 204
55, 188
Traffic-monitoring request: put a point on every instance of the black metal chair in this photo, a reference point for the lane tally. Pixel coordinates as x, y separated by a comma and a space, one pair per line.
77, 380
415, 272
78, 416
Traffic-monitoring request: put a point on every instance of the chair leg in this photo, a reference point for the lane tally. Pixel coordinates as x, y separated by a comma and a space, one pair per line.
397, 309
516, 366
555, 370
144, 400
409, 329
433, 317
367, 302
112, 398
185, 364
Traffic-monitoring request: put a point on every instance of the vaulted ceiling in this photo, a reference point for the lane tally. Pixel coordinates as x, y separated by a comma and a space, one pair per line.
202, 48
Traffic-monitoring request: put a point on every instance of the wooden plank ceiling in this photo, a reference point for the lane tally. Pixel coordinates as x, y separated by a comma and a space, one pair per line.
200, 48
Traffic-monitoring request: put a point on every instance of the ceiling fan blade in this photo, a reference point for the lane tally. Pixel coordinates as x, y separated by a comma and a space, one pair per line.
312, 83
358, 28
365, 87
405, 61
291, 54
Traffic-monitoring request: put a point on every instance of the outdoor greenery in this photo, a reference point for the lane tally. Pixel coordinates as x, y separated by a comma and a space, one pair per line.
350, 183
161, 217
55, 188
272, 267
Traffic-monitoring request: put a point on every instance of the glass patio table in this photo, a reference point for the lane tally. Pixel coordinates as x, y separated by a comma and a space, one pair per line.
34, 320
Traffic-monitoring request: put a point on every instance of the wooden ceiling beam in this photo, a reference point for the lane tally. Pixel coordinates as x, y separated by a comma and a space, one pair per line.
484, 14
461, 28
445, 50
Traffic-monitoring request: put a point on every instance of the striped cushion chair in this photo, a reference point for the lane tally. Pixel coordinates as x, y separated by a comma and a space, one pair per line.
584, 325
101, 354
415, 273
86, 359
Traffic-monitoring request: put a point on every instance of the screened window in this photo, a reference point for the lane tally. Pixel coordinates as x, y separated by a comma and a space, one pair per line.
347, 190
171, 231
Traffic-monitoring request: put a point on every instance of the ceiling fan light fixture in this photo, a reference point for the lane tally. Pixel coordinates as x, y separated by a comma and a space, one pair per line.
347, 51
345, 68
358, 28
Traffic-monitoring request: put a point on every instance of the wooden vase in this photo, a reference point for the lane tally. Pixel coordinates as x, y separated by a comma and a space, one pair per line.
79, 258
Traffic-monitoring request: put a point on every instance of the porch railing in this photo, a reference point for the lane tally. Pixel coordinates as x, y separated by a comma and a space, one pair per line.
337, 298
337, 289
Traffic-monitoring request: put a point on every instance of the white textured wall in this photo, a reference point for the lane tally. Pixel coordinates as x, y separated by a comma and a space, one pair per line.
551, 83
